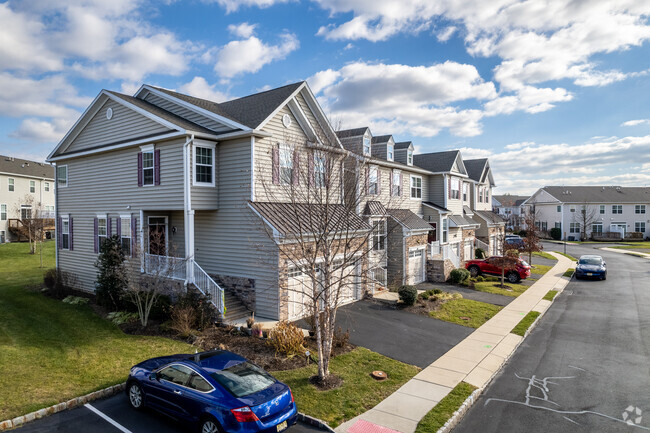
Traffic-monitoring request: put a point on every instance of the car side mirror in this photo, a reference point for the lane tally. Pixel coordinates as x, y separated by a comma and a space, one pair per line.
153, 376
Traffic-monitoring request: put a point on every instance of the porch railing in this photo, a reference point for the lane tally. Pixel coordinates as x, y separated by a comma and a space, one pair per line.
449, 254
482, 245
434, 249
165, 266
208, 287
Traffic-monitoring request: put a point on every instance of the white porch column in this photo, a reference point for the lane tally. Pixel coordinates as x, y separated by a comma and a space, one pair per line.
188, 213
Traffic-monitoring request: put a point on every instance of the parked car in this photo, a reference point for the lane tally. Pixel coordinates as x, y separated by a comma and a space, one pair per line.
515, 270
218, 391
513, 242
591, 266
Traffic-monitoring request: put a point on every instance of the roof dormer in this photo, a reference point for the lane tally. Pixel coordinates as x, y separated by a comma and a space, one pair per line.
383, 147
404, 152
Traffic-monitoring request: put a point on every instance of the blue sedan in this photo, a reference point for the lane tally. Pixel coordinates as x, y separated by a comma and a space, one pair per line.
218, 391
591, 266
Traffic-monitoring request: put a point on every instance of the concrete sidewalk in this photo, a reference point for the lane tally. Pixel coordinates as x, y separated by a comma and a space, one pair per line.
631, 252
474, 360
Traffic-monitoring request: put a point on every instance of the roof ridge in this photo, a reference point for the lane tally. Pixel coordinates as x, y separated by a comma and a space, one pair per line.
260, 93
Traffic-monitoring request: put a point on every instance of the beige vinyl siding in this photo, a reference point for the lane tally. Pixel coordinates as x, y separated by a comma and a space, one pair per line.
315, 124
125, 124
21, 195
232, 240
265, 190
454, 205
186, 113
394, 202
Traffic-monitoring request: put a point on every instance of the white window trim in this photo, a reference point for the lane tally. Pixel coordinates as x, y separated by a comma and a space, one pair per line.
147, 148
618, 206
370, 171
11, 184
288, 148
319, 170
390, 150
639, 222
32, 182
46, 186
67, 175
602, 209
6, 212
409, 157
363, 147
166, 231
640, 206
384, 233
393, 184
204, 145
64, 220
411, 187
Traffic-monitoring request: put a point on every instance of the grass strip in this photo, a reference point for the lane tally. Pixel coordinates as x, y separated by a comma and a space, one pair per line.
550, 295
540, 269
358, 393
525, 323
465, 312
440, 414
569, 272
568, 256
513, 290
544, 255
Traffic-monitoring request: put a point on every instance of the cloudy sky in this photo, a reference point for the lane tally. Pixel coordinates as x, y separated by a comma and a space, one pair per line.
553, 92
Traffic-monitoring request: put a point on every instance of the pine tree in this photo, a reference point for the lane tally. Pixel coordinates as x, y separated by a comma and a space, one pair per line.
111, 275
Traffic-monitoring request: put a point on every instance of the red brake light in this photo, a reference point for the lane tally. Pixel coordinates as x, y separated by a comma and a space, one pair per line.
292, 400
244, 414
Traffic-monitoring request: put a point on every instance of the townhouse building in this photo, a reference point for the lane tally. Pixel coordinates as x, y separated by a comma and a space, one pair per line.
26, 192
583, 212
509, 207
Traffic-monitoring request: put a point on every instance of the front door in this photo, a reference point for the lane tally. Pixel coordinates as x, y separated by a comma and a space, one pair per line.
433, 233
158, 236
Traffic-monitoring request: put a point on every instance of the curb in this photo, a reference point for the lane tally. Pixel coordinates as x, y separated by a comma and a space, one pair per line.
315, 422
59, 407
458, 415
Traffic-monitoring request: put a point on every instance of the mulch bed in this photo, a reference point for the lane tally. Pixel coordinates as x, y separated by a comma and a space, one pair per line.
330, 382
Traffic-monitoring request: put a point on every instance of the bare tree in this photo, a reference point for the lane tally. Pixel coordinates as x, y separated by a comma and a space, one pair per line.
324, 243
33, 222
585, 215
506, 260
532, 241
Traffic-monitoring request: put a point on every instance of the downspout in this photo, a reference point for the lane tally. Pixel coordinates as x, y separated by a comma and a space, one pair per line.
188, 219
56, 217
405, 250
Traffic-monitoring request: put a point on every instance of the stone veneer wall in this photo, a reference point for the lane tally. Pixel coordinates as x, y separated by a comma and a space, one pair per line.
492, 231
242, 288
438, 270
467, 234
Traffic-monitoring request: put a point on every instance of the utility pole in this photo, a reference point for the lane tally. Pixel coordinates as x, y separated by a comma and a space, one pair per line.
564, 242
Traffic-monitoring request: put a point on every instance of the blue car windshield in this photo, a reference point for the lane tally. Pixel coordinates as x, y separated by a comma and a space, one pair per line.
590, 261
243, 379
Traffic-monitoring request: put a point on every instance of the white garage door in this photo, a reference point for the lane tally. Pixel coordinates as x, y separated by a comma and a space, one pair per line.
416, 267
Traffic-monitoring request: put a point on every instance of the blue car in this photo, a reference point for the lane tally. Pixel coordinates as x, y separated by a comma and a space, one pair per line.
218, 391
591, 266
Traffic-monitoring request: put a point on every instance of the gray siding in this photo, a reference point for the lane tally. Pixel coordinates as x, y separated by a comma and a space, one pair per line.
232, 241
401, 155
437, 189
378, 150
353, 144
395, 253
207, 197
187, 114
124, 125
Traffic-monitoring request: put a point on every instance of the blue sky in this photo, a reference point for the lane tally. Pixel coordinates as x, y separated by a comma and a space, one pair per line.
552, 92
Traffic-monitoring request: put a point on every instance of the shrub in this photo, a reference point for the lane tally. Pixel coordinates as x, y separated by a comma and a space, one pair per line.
59, 283
121, 317
458, 275
425, 296
479, 253
75, 300
204, 312
408, 295
480, 279
341, 339
111, 274
287, 339
183, 318
437, 291
257, 330
556, 233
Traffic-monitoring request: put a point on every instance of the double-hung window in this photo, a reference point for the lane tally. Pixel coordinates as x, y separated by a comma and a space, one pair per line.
125, 235
373, 181
397, 183
65, 233
410, 157
639, 226
574, 228
47, 186
602, 209
379, 235
572, 209
455, 188
559, 208
617, 209
480, 194
597, 228
366, 146
445, 230
32, 186
319, 171
558, 225
10, 185
390, 152
286, 164
3, 212
147, 167
465, 191
416, 187
62, 176
639, 208
25, 211
102, 231
204, 165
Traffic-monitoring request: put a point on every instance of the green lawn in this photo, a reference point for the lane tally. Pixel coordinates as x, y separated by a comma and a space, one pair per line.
550, 295
540, 269
544, 255
50, 351
466, 312
359, 392
525, 323
569, 272
440, 414
489, 287
568, 256
633, 245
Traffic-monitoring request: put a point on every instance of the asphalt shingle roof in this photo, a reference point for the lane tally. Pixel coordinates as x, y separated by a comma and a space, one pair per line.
599, 194
410, 220
25, 167
355, 132
437, 162
460, 221
475, 168
295, 218
381, 138
402, 145
250, 110
489, 217
509, 200
435, 206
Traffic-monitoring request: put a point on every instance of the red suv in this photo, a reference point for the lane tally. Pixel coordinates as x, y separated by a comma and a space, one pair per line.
516, 270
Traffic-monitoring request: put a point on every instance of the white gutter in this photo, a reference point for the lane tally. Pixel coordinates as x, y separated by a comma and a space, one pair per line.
252, 168
188, 213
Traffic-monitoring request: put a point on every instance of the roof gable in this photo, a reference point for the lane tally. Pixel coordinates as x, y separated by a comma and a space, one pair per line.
441, 162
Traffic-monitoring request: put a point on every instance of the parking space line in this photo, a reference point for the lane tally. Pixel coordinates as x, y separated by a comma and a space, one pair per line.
105, 417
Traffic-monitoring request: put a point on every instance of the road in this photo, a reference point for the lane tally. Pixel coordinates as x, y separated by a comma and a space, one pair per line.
114, 415
585, 367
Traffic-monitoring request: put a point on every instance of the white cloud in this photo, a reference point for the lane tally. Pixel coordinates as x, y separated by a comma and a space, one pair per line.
445, 34
413, 99
636, 122
42, 131
234, 5
243, 30
251, 54
200, 88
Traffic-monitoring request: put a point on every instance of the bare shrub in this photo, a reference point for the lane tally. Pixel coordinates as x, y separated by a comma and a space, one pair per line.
183, 318
287, 339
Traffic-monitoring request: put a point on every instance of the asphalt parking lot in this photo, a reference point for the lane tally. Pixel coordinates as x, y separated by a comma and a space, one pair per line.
114, 414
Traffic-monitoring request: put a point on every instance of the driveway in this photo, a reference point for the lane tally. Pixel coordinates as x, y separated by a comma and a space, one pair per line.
114, 415
407, 337
584, 368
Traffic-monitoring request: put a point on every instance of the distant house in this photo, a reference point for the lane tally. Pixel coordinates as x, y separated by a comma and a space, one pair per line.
26, 192
608, 211
510, 208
